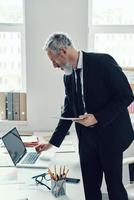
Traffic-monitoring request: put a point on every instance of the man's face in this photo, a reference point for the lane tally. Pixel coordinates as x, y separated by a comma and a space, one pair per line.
58, 60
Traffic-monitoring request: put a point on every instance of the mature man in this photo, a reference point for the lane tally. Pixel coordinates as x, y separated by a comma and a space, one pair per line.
97, 91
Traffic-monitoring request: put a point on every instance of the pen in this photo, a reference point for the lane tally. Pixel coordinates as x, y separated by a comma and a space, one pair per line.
57, 177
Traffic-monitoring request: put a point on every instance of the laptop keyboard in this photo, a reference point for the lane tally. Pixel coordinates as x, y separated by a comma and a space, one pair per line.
30, 158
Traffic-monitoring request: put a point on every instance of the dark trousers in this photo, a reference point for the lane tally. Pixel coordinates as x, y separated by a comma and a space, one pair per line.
96, 160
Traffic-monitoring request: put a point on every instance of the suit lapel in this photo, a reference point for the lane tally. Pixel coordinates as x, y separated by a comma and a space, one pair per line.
74, 95
86, 63
85, 76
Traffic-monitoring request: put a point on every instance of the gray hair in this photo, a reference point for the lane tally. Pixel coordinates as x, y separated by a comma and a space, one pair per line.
56, 41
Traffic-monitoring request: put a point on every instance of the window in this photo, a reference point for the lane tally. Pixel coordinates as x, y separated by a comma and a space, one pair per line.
111, 29
12, 46
115, 12
120, 45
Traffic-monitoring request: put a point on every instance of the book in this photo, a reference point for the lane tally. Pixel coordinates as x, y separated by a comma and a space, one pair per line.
16, 106
10, 106
26, 133
2, 106
23, 108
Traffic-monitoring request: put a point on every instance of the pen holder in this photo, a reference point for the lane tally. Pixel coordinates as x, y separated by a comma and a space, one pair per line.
58, 188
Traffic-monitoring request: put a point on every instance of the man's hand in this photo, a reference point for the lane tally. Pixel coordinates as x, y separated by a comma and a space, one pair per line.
43, 147
87, 120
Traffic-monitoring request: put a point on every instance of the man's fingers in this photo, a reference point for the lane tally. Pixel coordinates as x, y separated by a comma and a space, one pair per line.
84, 116
39, 148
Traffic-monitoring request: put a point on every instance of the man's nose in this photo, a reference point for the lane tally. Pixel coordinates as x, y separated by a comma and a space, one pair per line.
56, 65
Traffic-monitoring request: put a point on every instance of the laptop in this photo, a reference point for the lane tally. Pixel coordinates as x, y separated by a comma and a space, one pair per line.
22, 157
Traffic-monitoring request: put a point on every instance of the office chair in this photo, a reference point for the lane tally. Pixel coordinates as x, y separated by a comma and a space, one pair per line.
130, 187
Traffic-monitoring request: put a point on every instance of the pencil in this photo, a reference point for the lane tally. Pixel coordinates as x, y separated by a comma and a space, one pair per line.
64, 170
55, 169
51, 174
66, 173
60, 172
55, 174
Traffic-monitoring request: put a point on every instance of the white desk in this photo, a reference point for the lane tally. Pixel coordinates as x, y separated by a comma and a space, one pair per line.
73, 191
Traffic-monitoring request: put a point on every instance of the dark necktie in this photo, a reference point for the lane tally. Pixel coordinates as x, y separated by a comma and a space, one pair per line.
80, 105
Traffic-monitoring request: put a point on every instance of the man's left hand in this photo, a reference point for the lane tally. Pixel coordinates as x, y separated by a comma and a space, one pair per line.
87, 120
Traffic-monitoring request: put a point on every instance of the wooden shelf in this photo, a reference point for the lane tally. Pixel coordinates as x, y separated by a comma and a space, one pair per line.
13, 122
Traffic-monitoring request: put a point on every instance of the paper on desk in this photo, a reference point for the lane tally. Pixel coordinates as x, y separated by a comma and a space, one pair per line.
5, 160
66, 141
26, 133
30, 141
9, 176
66, 149
29, 138
49, 154
12, 192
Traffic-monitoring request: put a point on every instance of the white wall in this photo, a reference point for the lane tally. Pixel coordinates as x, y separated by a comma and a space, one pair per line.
44, 84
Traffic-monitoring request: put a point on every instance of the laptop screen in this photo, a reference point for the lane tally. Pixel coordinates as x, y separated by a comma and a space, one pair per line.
14, 145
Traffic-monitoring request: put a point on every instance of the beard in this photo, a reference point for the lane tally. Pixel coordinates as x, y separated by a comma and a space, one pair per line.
68, 69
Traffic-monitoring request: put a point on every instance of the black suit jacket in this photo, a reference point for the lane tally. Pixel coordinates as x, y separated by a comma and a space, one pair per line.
107, 95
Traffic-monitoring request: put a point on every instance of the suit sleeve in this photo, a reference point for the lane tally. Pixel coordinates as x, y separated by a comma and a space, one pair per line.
121, 95
63, 125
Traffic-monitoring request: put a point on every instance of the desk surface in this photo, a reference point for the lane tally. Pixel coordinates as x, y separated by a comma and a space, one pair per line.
73, 191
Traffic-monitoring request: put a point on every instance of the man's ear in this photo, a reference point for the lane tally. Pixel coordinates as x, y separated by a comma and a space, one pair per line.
63, 51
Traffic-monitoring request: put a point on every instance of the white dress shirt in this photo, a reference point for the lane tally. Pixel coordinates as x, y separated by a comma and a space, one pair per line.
80, 66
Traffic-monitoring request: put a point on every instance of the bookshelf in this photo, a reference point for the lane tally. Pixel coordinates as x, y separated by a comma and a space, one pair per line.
13, 106
4, 122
